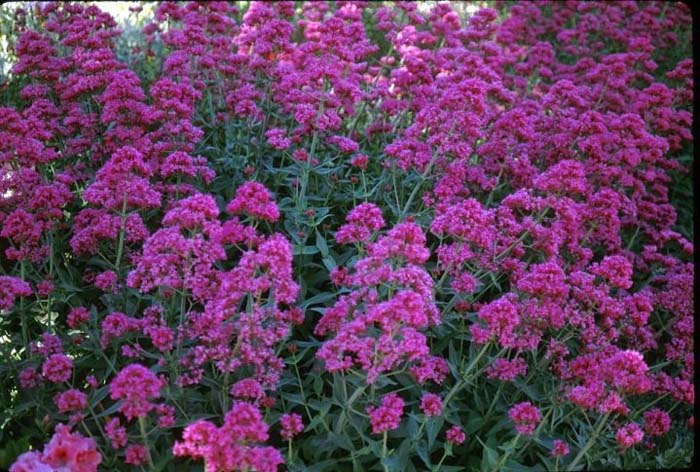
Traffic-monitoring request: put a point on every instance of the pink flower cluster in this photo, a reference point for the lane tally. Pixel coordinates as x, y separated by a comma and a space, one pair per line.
606, 379
254, 199
233, 446
629, 435
387, 416
526, 417
12, 288
560, 448
136, 386
657, 422
455, 435
183, 257
507, 370
57, 368
431, 404
541, 144
397, 317
291, 425
65, 451
362, 221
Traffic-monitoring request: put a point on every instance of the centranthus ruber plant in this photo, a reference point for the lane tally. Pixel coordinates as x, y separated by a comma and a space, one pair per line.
346, 236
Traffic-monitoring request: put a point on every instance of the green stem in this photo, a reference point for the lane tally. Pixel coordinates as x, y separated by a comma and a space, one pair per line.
493, 403
442, 459
471, 366
413, 194
438, 285
652, 403
99, 349
458, 386
590, 442
122, 233
303, 398
396, 193
183, 310
505, 456
364, 104
453, 391
351, 400
179, 407
420, 430
97, 423
22, 314
87, 430
384, 452
142, 428
673, 407
224, 405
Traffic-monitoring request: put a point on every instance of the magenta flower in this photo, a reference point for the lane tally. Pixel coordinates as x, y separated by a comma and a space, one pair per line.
526, 417
233, 446
30, 462
657, 422
455, 435
431, 404
291, 425
70, 400
65, 451
57, 368
507, 370
629, 435
135, 385
136, 454
12, 288
255, 200
388, 415
560, 448
116, 433
362, 221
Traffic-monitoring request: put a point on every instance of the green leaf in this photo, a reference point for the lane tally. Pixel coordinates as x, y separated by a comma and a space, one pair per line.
319, 466
329, 263
109, 411
412, 426
317, 299
340, 441
474, 424
513, 466
11, 450
295, 398
305, 250
318, 385
422, 451
489, 458
99, 395
321, 244
432, 428
164, 461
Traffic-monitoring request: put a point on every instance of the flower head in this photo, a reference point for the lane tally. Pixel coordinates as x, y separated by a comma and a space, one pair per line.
71, 451
455, 435
629, 435
560, 448
388, 415
252, 198
431, 404
291, 425
526, 417
136, 386
57, 368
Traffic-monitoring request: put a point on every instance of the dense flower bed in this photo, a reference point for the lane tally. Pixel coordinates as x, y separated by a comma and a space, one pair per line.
347, 236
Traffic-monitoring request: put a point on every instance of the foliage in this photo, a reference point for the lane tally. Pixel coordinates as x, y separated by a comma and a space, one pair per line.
346, 236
